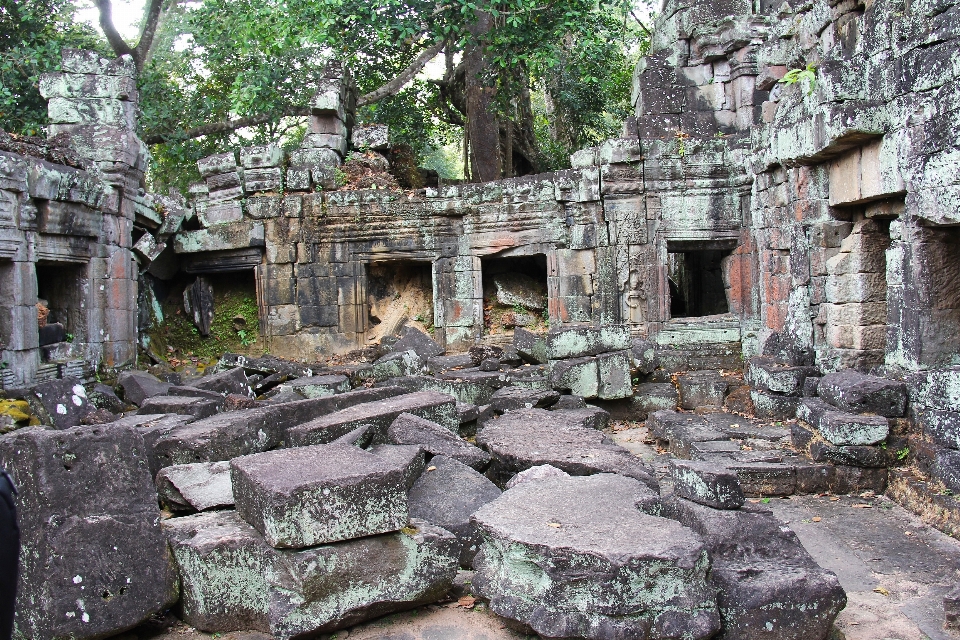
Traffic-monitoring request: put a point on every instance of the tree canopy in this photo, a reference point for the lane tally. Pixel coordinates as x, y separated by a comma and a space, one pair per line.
542, 77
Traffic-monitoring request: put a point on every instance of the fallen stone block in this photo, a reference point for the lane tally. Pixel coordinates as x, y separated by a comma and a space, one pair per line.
104, 397
446, 495
196, 487
568, 401
151, 428
530, 346
438, 364
763, 479
226, 382
589, 417
479, 353
613, 371
707, 484
527, 438
308, 496
239, 433
856, 392
139, 385
436, 407
579, 376
93, 559
768, 585
232, 580
466, 413
409, 458
841, 428
435, 440
393, 365
536, 473
644, 356
653, 396
768, 404
510, 398
646, 576
702, 389
319, 386
857, 456
60, 404
193, 392
359, 437
199, 408
764, 372
412, 339
585, 340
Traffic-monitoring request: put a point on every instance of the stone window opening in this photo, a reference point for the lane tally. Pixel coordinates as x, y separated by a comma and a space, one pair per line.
514, 293
696, 281
399, 292
938, 295
60, 312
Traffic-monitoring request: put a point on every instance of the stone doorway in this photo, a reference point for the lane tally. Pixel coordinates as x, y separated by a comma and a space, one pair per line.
61, 317
697, 286
514, 293
399, 292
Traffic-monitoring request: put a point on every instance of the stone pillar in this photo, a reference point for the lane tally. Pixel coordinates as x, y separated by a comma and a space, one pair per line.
92, 105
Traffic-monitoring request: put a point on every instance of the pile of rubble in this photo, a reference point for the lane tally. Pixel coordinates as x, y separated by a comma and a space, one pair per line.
297, 500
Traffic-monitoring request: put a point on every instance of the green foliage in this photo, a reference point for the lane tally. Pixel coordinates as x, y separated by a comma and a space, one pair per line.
903, 453
808, 75
32, 34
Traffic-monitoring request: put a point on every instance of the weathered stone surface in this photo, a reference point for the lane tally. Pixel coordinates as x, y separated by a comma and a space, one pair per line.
856, 392
307, 496
568, 401
841, 428
509, 398
613, 370
371, 136
413, 339
707, 484
536, 473
579, 341
531, 346
184, 405
517, 289
436, 440
392, 365
654, 396
768, 404
319, 386
226, 382
702, 389
768, 585
436, 407
195, 487
527, 438
766, 373
943, 427
59, 403
946, 469
481, 352
446, 495
240, 433
576, 557
763, 479
869, 457
94, 561
139, 385
104, 397
409, 458
579, 376
232, 580
588, 416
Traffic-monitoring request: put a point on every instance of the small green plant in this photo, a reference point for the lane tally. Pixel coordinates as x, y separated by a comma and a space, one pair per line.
765, 500
340, 177
245, 339
69, 337
809, 74
681, 137
518, 309
903, 453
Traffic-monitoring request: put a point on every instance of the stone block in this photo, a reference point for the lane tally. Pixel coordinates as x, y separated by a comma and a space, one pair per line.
372, 136
579, 341
265, 179
580, 376
418, 341
855, 456
59, 403
510, 398
857, 392
943, 427
231, 580
319, 386
436, 440
702, 389
707, 484
217, 164
436, 407
773, 405
614, 375
309, 496
648, 575
447, 495
410, 459
531, 346
196, 487
256, 157
841, 428
183, 405
314, 158
766, 373
94, 562
225, 382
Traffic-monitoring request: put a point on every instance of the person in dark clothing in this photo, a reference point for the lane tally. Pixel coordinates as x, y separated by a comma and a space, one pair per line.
9, 554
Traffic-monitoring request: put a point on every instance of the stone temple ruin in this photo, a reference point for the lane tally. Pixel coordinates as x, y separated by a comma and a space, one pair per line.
767, 273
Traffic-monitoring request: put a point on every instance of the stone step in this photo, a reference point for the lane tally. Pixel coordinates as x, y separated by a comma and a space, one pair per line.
840, 427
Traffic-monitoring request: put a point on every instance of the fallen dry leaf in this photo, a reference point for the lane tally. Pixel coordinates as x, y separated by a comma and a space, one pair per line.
834, 499
882, 591
467, 602
862, 506
816, 518
908, 533
555, 525
431, 468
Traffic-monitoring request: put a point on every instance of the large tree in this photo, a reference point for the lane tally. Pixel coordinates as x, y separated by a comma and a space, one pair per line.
526, 81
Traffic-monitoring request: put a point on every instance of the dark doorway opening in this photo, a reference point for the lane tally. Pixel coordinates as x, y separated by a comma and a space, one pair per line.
695, 278
60, 293
399, 292
514, 293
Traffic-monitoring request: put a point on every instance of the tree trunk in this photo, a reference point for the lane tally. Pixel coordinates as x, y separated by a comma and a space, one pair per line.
483, 129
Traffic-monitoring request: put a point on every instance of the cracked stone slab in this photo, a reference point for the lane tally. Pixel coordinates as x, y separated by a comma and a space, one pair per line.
196, 487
